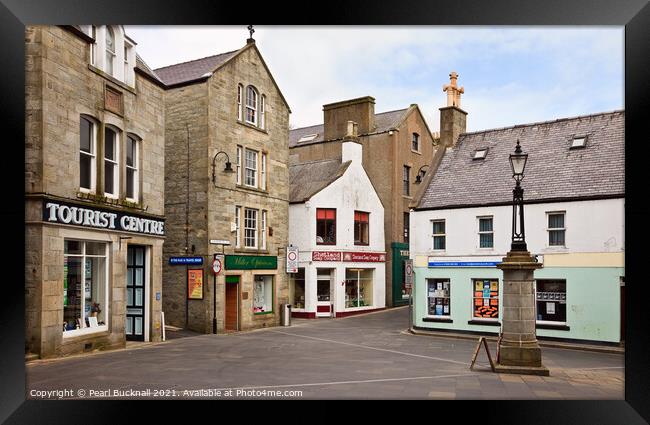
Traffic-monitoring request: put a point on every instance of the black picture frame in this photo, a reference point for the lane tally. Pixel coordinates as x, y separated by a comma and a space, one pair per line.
633, 14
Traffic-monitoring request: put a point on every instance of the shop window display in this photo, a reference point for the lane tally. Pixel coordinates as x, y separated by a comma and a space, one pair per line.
84, 285
358, 288
551, 300
297, 289
263, 294
438, 297
486, 299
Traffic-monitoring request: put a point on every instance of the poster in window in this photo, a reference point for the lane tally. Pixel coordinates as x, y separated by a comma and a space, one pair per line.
195, 284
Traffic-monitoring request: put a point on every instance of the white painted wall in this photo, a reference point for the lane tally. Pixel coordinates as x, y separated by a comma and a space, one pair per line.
591, 226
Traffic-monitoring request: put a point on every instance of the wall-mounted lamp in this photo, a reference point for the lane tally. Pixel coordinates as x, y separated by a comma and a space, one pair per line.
228, 168
418, 177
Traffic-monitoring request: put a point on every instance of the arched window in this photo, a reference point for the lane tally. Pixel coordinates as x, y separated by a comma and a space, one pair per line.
110, 50
251, 105
240, 94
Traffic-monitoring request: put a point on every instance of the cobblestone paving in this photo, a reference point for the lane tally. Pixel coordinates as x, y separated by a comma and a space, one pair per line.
369, 356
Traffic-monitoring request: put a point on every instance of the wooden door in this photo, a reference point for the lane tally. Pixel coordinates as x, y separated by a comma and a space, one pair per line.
232, 305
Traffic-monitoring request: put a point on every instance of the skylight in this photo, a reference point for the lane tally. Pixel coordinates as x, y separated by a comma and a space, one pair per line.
578, 142
480, 153
307, 138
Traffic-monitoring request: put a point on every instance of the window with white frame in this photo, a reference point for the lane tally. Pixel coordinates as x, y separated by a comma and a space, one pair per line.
250, 228
263, 294
132, 173
486, 298
551, 300
87, 152
240, 94
85, 287
110, 50
263, 172
129, 76
251, 105
556, 229
438, 297
250, 168
439, 235
485, 232
111, 163
263, 112
263, 230
237, 226
239, 159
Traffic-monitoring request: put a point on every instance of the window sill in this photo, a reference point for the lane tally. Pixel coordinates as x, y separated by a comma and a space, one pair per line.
552, 326
253, 189
325, 244
251, 251
407, 197
361, 244
112, 79
264, 313
484, 322
417, 152
85, 332
252, 126
437, 320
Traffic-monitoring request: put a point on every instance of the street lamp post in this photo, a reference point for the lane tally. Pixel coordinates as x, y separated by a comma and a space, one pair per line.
519, 351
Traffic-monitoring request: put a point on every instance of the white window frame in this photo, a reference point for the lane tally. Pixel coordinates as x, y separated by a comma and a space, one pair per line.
478, 223
135, 168
110, 55
237, 226
434, 235
247, 220
263, 228
239, 164
438, 316
549, 229
263, 171
129, 73
474, 298
116, 163
251, 105
246, 167
263, 112
92, 154
551, 322
100, 328
240, 94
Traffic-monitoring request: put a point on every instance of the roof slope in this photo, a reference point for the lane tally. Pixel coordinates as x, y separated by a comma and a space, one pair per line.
553, 171
308, 178
142, 65
384, 121
192, 70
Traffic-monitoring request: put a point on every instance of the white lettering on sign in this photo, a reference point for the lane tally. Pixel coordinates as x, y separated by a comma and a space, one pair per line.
106, 220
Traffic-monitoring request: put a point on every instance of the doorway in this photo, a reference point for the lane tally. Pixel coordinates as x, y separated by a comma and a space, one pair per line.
135, 293
323, 292
232, 304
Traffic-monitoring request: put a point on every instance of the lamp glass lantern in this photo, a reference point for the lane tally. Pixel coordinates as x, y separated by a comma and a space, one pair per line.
518, 163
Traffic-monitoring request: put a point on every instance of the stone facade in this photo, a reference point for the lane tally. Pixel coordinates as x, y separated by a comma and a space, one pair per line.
62, 85
382, 152
207, 111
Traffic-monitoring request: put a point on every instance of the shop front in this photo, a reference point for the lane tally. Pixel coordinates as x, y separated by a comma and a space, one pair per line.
94, 277
337, 284
400, 255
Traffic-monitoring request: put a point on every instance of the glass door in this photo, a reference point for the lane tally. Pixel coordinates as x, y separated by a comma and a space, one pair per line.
135, 294
323, 292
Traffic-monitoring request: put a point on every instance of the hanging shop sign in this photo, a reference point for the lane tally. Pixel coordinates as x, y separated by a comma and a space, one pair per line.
195, 284
99, 218
292, 259
357, 257
181, 261
251, 262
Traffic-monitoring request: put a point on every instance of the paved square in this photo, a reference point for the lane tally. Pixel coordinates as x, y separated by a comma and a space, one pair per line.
359, 357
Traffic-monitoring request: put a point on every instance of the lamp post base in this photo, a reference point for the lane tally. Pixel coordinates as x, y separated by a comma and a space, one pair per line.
522, 370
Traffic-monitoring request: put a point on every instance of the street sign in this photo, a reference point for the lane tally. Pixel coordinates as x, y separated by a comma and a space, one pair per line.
195, 261
217, 264
292, 259
408, 273
219, 242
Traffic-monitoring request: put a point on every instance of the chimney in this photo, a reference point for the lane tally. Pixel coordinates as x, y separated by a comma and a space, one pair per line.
351, 148
337, 115
453, 120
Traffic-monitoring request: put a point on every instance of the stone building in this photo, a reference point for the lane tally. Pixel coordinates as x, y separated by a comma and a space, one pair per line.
94, 164
226, 162
397, 149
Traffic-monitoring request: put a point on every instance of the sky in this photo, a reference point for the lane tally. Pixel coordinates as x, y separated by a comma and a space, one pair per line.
511, 75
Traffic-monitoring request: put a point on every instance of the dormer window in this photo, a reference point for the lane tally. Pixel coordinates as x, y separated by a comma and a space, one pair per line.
480, 153
307, 138
578, 142
110, 50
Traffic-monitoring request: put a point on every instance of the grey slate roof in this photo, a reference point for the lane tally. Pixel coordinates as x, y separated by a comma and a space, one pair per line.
308, 178
192, 70
553, 171
142, 65
384, 121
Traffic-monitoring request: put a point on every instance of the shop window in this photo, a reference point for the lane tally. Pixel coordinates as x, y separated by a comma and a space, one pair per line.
361, 228
250, 228
263, 295
438, 297
325, 226
111, 163
132, 172
87, 149
439, 235
407, 224
551, 300
251, 168
85, 286
485, 232
358, 288
297, 289
406, 181
556, 229
486, 298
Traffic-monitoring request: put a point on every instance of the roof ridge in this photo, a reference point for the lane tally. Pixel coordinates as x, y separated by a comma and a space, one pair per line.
196, 60
317, 161
378, 113
616, 111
